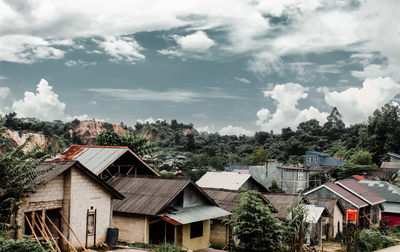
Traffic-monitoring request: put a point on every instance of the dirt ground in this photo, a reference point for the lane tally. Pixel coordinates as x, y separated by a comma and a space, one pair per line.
331, 246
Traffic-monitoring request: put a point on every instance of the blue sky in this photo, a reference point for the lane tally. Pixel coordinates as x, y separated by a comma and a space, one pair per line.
233, 67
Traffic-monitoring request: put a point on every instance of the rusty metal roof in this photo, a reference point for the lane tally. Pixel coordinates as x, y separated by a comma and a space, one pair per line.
149, 195
98, 158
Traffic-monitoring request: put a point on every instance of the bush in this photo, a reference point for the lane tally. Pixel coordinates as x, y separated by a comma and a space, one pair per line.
168, 247
371, 241
7, 245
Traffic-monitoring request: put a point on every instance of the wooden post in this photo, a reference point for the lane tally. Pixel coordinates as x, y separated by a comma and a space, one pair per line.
95, 220
42, 221
33, 231
130, 169
44, 235
119, 169
59, 232
72, 230
87, 227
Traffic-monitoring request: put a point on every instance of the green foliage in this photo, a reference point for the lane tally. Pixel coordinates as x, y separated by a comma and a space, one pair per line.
18, 177
274, 188
168, 247
369, 240
7, 245
259, 156
296, 225
360, 163
255, 225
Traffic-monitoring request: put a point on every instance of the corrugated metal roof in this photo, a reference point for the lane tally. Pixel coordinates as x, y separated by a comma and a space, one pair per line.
390, 165
314, 213
98, 158
328, 203
225, 180
282, 202
197, 213
394, 154
361, 191
358, 177
346, 195
149, 195
386, 190
390, 207
293, 168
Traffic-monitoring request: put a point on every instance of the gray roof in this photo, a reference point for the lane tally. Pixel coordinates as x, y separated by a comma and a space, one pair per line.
282, 202
386, 190
390, 165
149, 195
98, 158
328, 203
227, 180
391, 207
197, 213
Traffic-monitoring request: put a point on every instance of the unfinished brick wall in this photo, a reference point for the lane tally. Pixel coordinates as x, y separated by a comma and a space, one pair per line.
218, 232
49, 196
87, 194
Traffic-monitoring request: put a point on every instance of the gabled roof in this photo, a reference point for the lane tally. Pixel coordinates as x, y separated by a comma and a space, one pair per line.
341, 193
328, 203
389, 192
98, 158
227, 199
62, 166
361, 191
149, 195
282, 202
314, 213
226, 180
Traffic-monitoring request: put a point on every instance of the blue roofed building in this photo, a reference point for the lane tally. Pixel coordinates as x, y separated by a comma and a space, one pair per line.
315, 158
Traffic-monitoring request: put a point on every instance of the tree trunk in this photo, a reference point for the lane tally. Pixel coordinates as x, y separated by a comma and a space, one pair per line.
13, 219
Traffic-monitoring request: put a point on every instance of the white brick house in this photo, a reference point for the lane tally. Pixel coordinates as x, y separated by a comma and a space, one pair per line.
82, 197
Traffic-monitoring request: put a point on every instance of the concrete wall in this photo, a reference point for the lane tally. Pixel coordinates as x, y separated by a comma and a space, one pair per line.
49, 196
86, 194
199, 242
337, 218
192, 198
131, 228
218, 232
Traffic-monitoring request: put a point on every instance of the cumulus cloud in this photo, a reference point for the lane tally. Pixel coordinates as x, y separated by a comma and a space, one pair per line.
122, 49
43, 104
27, 49
287, 114
235, 130
198, 41
356, 104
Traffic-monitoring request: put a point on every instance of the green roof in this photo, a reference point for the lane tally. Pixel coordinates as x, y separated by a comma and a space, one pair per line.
386, 190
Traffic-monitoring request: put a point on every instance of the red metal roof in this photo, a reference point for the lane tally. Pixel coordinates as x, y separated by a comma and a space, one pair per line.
359, 178
73, 150
347, 195
361, 191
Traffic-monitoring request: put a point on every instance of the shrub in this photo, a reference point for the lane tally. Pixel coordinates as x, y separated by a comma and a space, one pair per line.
168, 247
371, 241
7, 245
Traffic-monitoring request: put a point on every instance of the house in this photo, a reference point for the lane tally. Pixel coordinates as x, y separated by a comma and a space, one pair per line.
322, 160
227, 200
89, 214
157, 210
338, 212
282, 202
105, 161
230, 181
389, 168
316, 218
353, 196
290, 179
391, 194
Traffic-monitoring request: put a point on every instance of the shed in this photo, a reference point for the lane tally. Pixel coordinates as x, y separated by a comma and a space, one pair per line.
157, 210
88, 214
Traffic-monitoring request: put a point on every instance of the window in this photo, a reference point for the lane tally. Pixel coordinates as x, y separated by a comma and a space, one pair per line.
315, 159
309, 159
91, 224
196, 229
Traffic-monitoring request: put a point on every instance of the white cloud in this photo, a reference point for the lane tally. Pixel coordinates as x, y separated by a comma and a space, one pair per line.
235, 130
44, 104
244, 80
81, 63
149, 120
172, 95
122, 49
198, 41
2, 77
265, 63
27, 49
287, 114
356, 104
207, 129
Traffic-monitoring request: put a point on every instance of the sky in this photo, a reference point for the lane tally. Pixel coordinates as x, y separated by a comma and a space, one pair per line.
233, 67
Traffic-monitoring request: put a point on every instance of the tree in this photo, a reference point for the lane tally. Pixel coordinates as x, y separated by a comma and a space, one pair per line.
108, 138
297, 225
140, 145
255, 225
18, 177
274, 188
259, 156
360, 163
